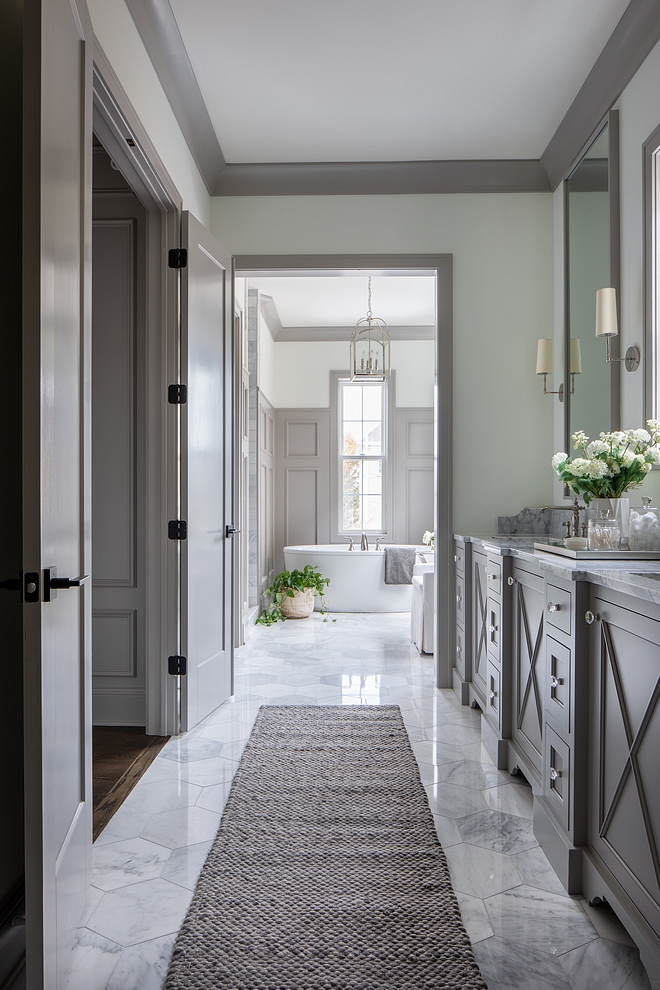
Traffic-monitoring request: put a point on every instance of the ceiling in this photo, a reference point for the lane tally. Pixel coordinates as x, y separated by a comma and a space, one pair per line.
379, 80
318, 301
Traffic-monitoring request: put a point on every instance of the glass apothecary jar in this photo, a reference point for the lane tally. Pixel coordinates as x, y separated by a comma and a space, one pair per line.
604, 532
644, 526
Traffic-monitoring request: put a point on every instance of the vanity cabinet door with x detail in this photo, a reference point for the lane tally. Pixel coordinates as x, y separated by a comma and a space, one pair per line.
624, 809
528, 670
480, 626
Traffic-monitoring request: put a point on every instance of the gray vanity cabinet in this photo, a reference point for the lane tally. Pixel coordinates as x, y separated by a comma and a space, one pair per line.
480, 627
560, 811
462, 669
528, 671
622, 862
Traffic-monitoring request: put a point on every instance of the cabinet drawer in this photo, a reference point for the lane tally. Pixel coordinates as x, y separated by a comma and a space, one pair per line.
492, 711
460, 651
556, 776
459, 557
494, 629
494, 575
460, 600
559, 608
558, 684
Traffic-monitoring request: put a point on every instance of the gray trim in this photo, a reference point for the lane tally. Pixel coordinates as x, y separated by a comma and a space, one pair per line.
631, 41
382, 178
651, 230
115, 123
442, 266
162, 39
615, 262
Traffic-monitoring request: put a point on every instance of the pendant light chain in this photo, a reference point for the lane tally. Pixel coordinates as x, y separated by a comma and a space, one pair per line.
369, 311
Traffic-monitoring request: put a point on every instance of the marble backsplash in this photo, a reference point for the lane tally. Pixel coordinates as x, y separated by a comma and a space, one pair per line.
533, 522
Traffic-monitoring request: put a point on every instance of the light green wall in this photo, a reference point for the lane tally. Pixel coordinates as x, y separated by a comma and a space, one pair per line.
119, 39
503, 301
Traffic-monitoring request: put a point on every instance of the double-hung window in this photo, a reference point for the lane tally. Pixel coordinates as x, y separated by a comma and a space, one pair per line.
362, 457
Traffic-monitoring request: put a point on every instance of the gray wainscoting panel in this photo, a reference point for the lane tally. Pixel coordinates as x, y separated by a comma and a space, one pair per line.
114, 643
413, 474
302, 478
266, 490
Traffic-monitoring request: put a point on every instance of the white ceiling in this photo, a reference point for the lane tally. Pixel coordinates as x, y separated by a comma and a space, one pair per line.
384, 80
337, 302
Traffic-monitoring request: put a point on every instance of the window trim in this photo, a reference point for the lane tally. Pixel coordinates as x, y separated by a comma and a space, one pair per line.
386, 534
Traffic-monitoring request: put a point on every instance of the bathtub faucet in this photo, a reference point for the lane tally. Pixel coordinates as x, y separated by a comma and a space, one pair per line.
364, 545
350, 542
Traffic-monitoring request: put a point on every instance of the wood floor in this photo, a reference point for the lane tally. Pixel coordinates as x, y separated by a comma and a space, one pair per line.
121, 754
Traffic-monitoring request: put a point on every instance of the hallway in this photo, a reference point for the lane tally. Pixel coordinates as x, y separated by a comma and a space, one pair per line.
526, 932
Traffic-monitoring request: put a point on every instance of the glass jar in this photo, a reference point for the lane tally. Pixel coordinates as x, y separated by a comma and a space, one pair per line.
644, 526
604, 532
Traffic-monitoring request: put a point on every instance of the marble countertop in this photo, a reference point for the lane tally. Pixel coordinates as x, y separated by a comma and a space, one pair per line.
640, 578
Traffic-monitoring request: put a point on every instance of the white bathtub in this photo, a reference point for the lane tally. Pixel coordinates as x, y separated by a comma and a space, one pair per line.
357, 577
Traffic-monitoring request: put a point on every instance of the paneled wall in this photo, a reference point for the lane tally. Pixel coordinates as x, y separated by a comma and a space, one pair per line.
413, 474
118, 477
265, 490
302, 477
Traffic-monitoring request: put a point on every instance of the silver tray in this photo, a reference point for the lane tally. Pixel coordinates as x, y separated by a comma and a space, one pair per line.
598, 554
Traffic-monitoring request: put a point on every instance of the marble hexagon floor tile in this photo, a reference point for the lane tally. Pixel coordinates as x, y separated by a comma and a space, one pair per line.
141, 912
539, 919
605, 964
481, 872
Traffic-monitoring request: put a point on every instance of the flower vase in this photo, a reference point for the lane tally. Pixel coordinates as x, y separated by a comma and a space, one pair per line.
614, 508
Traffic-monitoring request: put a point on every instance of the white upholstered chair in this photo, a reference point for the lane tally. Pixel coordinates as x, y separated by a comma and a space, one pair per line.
422, 611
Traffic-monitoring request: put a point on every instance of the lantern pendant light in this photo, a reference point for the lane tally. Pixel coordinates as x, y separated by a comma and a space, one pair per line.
370, 348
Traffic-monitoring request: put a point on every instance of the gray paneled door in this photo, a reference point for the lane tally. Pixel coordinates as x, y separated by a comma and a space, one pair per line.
206, 473
57, 479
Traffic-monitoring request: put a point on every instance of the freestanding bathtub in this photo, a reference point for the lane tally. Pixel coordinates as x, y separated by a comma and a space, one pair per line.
357, 577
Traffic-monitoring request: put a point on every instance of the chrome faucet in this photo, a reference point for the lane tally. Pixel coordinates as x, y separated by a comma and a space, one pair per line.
350, 542
378, 539
575, 508
364, 543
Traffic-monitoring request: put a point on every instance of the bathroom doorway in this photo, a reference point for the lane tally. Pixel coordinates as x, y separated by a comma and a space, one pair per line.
252, 271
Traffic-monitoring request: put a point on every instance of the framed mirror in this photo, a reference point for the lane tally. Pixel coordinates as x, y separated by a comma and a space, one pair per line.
591, 252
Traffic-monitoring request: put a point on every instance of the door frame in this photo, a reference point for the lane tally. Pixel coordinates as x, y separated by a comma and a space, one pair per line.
120, 130
440, 265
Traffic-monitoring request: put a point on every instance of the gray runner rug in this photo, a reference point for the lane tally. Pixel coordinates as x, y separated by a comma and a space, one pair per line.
326, 872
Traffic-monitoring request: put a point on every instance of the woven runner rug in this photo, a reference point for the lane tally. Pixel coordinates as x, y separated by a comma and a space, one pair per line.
326, 872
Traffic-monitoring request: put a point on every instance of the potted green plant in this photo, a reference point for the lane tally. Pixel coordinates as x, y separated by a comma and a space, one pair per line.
292, 594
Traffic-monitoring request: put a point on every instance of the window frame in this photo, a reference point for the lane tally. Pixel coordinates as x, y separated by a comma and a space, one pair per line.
337, 534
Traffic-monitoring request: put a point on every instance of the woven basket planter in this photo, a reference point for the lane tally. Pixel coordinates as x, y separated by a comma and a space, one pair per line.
300, 606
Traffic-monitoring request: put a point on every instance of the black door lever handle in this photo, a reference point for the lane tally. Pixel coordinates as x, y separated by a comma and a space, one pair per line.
231, 530
13, 584
53, 584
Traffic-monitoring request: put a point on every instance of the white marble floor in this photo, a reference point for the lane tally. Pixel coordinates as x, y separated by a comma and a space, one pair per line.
527, 933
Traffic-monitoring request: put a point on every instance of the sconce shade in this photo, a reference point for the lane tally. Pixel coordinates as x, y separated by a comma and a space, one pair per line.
576, 356
544, 356
606, 321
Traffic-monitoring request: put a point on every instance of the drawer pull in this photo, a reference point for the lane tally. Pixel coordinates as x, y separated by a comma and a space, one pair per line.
492, 577
555, 682
510, 582
590, 617
554, 774
553, 607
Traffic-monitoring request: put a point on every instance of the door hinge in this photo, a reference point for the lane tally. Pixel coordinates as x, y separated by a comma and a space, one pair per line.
177, 258
177, 665
177, 395
177, 529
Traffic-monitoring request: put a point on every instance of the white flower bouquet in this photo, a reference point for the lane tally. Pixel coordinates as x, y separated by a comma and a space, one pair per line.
428, 539
612, 465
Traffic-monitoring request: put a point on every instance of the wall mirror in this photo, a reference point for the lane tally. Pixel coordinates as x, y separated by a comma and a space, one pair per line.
592, 262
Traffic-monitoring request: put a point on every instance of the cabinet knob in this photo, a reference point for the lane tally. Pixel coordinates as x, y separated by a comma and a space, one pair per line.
510, 582
493, 630
590, 617
554, 774
552, 607
492, 577
493, 695
456, 558
459, 599
458, 650
555, 682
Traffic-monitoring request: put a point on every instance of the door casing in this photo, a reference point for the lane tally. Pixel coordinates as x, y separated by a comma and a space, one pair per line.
440, 265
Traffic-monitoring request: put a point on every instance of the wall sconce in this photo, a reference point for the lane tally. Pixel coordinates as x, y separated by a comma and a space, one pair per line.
544, 364
607, 326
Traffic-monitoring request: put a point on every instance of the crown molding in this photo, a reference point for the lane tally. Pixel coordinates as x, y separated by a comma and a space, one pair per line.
632, 40
382, 178
162, 39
